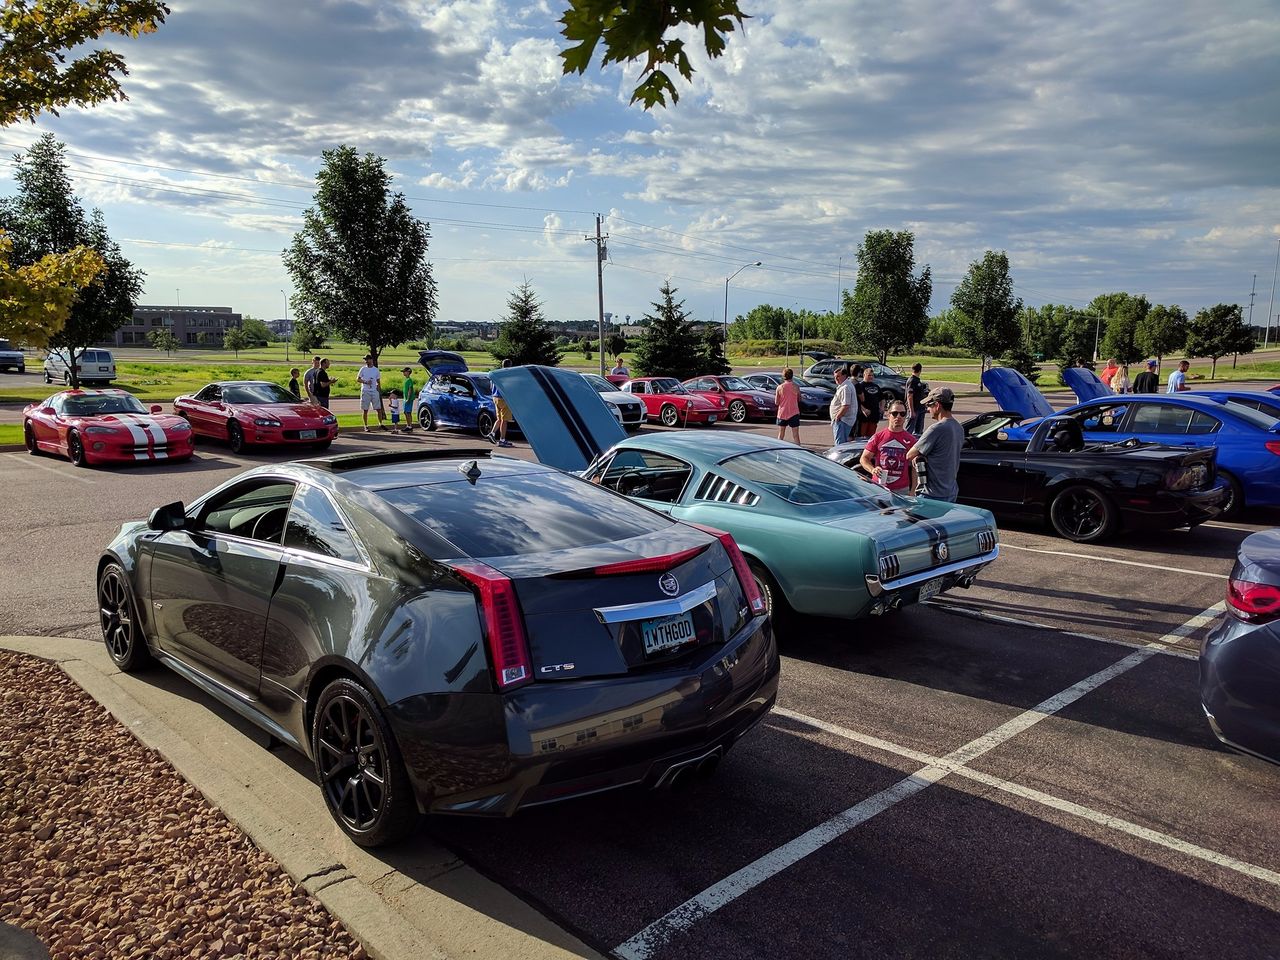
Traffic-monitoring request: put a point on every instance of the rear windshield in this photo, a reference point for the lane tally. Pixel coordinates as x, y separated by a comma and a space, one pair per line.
522, 515
95, 356
1258, 412
801, 476
4, 345
483, 384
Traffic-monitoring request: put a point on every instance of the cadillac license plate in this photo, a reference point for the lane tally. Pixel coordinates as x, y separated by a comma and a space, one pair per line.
306, 434
662, 633
930, 588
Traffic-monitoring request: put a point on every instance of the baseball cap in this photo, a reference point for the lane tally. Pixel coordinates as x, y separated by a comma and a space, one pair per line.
1152, 363
942, 395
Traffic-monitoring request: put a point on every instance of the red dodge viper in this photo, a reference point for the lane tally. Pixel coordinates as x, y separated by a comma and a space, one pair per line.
104, 426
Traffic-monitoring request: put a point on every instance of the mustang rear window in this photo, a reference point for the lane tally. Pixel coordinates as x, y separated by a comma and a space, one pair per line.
521, 515
800, 476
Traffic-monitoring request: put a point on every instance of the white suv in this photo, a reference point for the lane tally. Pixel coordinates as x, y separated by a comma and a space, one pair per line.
96, 367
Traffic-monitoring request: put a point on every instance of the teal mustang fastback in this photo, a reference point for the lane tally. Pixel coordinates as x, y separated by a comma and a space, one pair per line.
819, 540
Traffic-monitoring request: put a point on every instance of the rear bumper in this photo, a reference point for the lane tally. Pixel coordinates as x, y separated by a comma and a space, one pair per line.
1239, 692
887, 595
554, 741
1167, 509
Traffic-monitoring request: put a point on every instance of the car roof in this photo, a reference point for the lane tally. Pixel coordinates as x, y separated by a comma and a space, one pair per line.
386, 471
705, 445
239, 383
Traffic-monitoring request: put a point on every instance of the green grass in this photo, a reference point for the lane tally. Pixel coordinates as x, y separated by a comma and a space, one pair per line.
10, 433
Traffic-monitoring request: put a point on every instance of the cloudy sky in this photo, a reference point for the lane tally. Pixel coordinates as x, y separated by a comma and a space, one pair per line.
1104, 146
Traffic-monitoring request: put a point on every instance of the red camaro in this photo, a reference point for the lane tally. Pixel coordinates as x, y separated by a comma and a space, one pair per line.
244, 412
104, 426
671, 404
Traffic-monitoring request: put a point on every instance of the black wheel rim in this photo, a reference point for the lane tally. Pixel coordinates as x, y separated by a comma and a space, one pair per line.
76, 449
1080, 513
115, 610
28, 437
235, 437
669, 416
352, 763
485, 425
737, 411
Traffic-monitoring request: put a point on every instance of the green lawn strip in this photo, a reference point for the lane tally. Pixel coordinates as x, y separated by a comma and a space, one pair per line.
10, 433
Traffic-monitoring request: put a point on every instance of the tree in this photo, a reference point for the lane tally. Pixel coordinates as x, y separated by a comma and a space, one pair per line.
985, 320
163, 339
46, 218
524, 337
259, 333
889, 308
359, 262
236, 339
615, 344
1123, 314
307, 336
1216, 331
631, 30
1163, 330
584, 344
669, 346
712, 360
1075, 335
37, 35
36, 299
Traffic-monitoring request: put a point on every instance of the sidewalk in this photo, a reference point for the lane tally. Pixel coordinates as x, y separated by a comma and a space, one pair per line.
414, 902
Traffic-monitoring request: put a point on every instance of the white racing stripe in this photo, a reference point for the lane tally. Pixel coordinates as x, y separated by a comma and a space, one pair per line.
1127, 563
662, 931
1044, 799
147, 427
136, 433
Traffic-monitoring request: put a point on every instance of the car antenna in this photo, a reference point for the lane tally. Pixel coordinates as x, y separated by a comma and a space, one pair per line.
471, 470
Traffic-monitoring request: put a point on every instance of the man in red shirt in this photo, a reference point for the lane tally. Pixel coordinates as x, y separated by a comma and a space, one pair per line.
885, 456
1108, 371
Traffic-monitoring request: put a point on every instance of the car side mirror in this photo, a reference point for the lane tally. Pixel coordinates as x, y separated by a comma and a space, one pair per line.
156, 408
171, 516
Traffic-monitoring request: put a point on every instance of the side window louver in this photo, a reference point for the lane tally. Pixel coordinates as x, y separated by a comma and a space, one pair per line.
717, 489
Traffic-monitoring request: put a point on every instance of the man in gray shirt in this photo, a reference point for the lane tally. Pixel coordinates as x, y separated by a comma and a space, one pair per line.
939, 447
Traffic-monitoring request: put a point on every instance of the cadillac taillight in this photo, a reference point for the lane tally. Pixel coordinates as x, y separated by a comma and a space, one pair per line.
503, 623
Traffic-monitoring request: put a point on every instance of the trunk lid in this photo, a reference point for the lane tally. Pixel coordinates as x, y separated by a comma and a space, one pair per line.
1015, 393
1085, 384
562, 416
912, 532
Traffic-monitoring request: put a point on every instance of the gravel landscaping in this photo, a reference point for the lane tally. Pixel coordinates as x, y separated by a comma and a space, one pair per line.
106, 852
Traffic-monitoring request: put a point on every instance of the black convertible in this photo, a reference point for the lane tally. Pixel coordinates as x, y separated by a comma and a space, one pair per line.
1086, 491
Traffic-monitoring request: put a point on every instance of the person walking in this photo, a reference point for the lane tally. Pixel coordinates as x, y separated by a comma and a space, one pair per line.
844, 406
787, 396
1148, 381
324, 383
619, 368
1108, 371
872, 400
915, 400
293, 384
939, 447
885, 456
409, 389
1120, 382
309, 379
370, 378
498, 434
1178, 379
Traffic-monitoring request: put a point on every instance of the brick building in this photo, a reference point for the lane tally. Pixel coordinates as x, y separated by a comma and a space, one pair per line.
192, 326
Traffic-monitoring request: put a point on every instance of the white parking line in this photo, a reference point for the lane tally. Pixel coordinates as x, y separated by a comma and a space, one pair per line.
658, 934
70, 473
1127, 563
954, 608
1044, 799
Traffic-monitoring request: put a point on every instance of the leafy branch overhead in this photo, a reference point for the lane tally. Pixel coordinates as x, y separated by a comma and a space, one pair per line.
36, 38
637, 29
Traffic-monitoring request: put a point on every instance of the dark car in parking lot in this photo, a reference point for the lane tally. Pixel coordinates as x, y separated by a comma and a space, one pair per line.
1240, 657
815, 399
448, 633
893, 385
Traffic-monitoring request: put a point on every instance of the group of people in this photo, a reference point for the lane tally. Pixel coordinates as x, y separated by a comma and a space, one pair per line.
895, 456
1116, 376
859, 403
316, 385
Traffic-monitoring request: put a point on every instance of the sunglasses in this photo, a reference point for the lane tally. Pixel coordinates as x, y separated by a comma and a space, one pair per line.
897, 413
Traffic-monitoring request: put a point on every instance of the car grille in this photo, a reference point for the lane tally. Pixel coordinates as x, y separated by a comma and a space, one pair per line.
720, 490
986, 541
159, 449
889, 567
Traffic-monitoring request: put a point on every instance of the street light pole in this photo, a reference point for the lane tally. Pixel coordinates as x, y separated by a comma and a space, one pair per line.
1266, 339
758, 263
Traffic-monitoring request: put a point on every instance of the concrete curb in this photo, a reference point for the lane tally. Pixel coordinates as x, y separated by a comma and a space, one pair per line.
418, 902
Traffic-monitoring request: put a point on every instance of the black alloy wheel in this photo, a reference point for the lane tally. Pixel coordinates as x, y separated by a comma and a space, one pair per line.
235, 437
75, 450
669, 415
1234, 504
1082, 514
358, 764
738, 411
426, 418
29, 439
484, 423
121, 632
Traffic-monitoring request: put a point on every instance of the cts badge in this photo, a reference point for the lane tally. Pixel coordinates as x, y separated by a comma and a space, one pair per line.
668, 584
556, 668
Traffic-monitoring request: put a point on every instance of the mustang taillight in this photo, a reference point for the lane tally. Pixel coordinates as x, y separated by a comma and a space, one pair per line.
503, 623
1253, 602
645, 564
748, 583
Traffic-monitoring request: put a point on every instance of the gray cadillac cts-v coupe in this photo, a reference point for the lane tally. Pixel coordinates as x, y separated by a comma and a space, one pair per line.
448, 633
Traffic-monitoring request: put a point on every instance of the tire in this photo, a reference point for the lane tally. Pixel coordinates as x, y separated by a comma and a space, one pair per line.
66, 379
362, 777
235, 437
29, 439
669, 415
47, 377
484, 423
1082, 514
75, 450
738, 412
780, 611
1235, 497
118, 617
426, 418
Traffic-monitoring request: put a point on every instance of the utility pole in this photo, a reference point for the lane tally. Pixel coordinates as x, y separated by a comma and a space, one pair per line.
1253, 289
1266, 340
601, 253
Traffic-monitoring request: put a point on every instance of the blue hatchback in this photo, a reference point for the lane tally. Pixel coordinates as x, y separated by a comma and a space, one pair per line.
1247, 440
453, 396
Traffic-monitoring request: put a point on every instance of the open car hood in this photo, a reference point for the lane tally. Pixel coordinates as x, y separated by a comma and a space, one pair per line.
561, 415
442, 361
1016, 393
1085, 384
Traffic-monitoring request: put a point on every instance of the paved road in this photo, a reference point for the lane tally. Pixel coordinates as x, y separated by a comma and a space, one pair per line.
1020, 769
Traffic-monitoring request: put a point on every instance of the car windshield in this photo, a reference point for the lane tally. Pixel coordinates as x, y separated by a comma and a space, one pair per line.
666, 386
735, 383
98, 404
801, 476
600, 383
257, 393
879, 369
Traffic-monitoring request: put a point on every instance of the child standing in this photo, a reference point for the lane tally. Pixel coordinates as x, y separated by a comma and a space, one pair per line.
410, 395
293, 383
393, 404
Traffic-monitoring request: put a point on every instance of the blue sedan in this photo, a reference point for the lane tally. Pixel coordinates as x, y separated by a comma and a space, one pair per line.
1247, 440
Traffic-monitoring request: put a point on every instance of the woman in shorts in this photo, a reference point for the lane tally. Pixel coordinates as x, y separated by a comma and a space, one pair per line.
788, 397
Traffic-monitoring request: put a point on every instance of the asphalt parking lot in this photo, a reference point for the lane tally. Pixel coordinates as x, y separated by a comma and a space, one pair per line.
1020, 769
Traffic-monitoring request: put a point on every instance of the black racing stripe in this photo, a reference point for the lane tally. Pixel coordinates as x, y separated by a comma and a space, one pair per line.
568, 413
